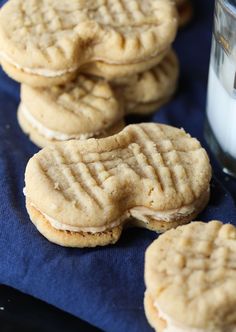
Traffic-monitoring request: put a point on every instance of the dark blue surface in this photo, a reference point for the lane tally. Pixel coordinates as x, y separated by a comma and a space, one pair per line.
103, 286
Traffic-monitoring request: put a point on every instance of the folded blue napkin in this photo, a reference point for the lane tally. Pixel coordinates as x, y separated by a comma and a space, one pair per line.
103, 286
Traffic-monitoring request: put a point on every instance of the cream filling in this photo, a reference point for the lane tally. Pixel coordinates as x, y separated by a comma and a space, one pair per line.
165, 216
143, 213
37, 71
52, 134
140, 212
58, 225
55, 73
173, 326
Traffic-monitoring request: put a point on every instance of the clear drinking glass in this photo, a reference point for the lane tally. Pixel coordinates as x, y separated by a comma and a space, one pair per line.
220, 130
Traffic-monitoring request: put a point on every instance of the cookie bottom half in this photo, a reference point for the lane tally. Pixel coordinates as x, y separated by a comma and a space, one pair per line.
42, 141
33, 80
72, 239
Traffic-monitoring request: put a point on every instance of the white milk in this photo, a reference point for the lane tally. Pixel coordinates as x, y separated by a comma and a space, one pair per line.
221, 105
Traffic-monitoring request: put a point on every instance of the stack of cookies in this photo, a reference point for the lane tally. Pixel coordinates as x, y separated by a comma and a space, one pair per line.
84, 65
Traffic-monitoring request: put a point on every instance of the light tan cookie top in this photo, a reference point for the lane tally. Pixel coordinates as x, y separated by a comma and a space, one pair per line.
95, 182
59, 35
190, 272
85, 105
152, 85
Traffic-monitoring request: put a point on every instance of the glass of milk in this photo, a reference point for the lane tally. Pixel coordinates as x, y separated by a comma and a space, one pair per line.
220, 130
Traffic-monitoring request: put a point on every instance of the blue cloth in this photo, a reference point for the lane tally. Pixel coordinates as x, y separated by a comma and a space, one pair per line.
103, 286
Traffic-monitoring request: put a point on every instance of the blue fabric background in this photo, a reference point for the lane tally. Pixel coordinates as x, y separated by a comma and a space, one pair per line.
103, 286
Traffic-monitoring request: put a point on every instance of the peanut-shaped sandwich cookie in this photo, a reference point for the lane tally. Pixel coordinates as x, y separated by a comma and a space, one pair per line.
190, 275
82, 193
83, 108
44, 43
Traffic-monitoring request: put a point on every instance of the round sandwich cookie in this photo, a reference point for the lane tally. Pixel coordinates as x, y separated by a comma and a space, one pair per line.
185, 11
150, 175
44, 43
190, 275
144, 93
83, 108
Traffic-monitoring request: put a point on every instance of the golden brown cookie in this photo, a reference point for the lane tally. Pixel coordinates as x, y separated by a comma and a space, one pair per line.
146, 92
51, 40
156, 175
86, 107
190, 276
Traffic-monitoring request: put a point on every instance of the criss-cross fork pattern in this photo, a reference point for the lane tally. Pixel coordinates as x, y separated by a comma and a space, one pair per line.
202, 255
153, 154
53, 25
85, 97
120, 13
49, 23
130, 17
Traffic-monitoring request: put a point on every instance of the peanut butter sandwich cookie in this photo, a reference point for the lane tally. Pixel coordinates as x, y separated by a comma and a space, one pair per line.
82, 193
190, 274
44, 43
146, 92
83, 108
